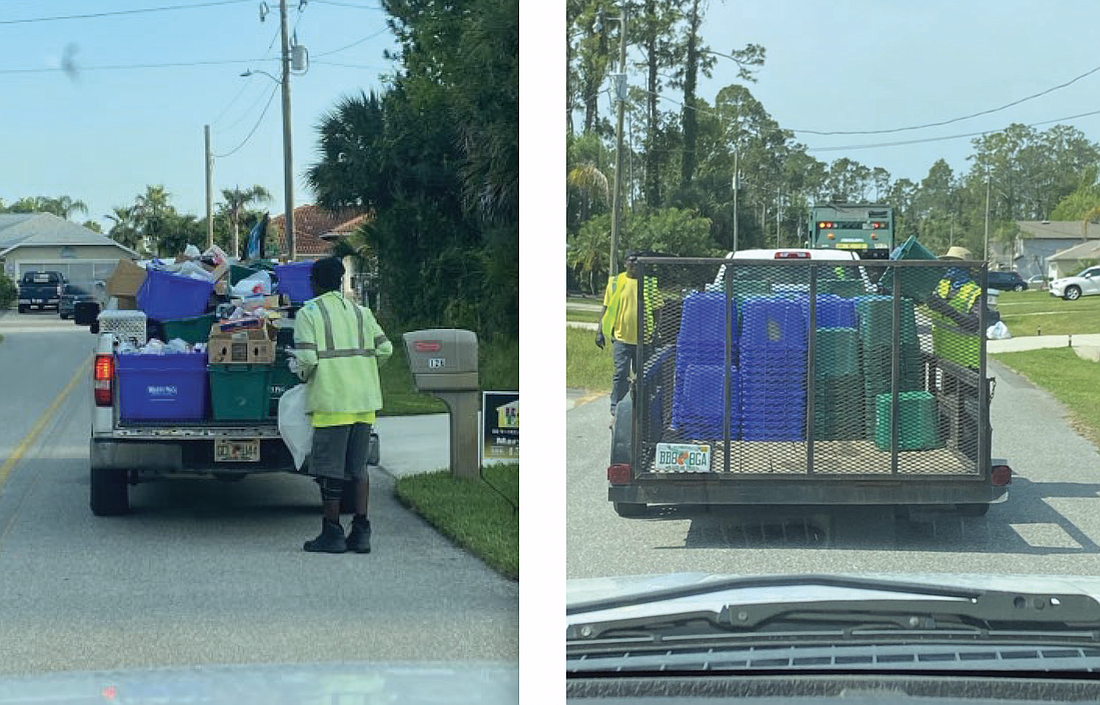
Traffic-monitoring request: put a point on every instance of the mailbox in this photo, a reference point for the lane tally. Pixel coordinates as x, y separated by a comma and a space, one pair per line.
443, 359
443, 362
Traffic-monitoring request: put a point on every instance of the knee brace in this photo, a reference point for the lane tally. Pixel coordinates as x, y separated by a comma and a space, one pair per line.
331, 488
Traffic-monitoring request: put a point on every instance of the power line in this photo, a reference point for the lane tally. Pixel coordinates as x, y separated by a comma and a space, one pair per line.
356, 42
347, 4
116, 13
351, 66
245, 83
254, 127
948, 137
121, 67
953, 120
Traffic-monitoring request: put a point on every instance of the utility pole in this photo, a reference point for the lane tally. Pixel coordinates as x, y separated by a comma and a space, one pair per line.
986, 254
288, 159
616, 205
736, 188
209, 190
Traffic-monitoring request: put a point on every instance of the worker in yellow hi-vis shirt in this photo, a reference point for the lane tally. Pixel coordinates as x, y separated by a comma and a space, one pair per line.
619, 320
338, 347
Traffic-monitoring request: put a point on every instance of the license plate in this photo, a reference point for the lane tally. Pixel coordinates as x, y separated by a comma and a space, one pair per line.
237, 451
683, 457
851, 245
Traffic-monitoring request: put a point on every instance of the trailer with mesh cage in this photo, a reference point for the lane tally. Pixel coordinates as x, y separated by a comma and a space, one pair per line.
785, 377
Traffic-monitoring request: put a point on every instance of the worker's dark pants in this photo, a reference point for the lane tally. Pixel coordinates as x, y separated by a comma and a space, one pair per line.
339, 455
623, 359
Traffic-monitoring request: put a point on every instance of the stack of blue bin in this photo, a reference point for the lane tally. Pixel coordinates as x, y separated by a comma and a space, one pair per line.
698, 397
773, 369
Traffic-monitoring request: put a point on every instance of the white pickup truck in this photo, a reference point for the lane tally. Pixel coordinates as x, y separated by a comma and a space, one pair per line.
126, 452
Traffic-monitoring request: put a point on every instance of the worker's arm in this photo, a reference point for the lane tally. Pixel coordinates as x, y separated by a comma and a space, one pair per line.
305, 345
383, 348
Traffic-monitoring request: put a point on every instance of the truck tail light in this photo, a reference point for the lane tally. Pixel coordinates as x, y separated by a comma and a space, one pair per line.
1001, 475
103, 376
793, 254
619, 474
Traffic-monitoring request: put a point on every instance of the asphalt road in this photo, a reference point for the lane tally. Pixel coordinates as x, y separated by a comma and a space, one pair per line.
205, 572
1050, 523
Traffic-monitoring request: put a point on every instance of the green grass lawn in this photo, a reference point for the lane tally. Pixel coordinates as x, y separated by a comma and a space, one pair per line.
1072, 380
471, 513
582, 316
586, 366
1026, 312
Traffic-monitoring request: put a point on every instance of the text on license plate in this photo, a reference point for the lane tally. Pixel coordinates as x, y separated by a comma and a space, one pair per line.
237, 451
683, 457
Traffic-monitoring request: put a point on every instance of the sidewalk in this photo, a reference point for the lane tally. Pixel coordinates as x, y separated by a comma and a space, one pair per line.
1087, 345
414, 444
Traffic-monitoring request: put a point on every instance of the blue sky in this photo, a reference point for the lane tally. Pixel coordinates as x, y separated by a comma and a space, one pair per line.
102, 135
875, 65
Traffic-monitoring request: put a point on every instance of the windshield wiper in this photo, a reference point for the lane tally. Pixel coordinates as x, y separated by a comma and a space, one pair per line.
929, 608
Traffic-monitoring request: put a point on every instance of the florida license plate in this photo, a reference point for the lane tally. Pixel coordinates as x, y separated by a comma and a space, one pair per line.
683, 457
237, 451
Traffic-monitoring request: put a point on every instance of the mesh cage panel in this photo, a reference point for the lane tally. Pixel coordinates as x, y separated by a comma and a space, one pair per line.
880, 376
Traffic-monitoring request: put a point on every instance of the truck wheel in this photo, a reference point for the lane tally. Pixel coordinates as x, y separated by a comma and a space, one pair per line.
22, 308
1018, 287
1072, 293
972, 510
109, 492
630, 511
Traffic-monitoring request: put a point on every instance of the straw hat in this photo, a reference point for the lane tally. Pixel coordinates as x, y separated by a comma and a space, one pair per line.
957, 252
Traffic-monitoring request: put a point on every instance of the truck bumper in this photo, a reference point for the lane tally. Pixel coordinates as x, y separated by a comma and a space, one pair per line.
151, 458
682, 491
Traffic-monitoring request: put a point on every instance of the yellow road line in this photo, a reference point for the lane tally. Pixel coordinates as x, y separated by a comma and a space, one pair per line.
78, 376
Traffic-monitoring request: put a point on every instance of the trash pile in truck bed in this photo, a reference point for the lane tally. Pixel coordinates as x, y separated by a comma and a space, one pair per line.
203, 338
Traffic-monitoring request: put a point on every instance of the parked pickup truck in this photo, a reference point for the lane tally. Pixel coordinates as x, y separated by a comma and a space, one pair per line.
124, 453
40, 290
746, 394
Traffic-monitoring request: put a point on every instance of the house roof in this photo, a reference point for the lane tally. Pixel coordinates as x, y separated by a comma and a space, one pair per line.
312, 223
48, 230
1057, 230
1086, 250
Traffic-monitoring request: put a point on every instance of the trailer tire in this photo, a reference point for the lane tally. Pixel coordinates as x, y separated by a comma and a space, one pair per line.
630, 511
972, 510
109, 495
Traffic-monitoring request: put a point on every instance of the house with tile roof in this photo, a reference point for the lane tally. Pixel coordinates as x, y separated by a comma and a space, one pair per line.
43, 241
316, 229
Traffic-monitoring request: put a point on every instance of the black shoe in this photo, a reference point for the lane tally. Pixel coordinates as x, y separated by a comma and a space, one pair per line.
359, 536
331, 539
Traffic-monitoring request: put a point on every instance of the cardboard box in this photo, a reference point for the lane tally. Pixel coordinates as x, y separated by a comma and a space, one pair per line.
126, 280
247, 347
127, 303
269, 302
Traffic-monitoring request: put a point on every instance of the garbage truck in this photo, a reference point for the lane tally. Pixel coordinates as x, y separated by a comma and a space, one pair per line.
785, 377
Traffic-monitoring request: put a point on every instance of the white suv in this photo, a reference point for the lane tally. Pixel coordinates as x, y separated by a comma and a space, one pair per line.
1073, 288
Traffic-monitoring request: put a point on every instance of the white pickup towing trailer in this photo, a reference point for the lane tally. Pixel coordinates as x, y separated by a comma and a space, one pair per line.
746, 394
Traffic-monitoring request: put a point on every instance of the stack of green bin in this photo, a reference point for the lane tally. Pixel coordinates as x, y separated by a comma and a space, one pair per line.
282, 378
917, 426
239, 392
838, 385
876, 316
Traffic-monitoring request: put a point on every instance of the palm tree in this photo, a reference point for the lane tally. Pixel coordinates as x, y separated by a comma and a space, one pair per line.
124, 231
64, 206
236, 201
148, 214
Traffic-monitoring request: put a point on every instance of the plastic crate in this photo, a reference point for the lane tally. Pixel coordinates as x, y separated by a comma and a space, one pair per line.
698, 413
130, 326
835, 312
293, 280
917, 416
836, 352
169, 297
777, 322
876, 320
239, 392
916, 282
193, 330
162, 387
280, 381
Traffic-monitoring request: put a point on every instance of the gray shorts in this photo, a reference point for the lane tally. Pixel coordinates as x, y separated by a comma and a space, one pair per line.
340, 452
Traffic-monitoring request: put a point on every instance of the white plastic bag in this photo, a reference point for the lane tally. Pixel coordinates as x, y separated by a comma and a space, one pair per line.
998, 331
258, 283
294, 424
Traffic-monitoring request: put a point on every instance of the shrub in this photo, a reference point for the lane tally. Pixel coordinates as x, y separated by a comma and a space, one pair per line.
8, 291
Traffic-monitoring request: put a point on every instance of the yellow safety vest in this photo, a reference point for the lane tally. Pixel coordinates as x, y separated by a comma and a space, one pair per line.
613, 299
340, 346
949, 341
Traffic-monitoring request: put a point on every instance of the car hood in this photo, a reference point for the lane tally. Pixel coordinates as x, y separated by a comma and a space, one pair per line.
421, 682
801, 588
